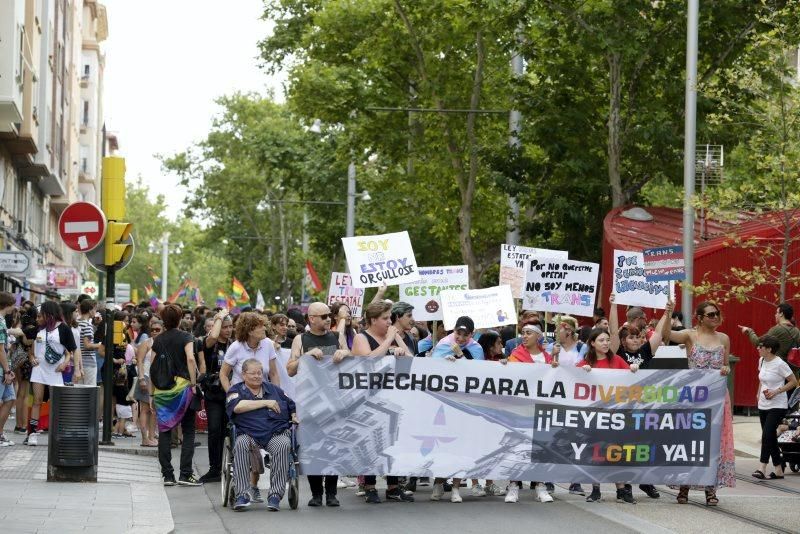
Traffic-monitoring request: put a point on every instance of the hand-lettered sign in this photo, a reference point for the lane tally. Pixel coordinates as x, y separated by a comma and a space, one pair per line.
375, 260
664, 263
630, 285
556, 285
512, 264
424, 293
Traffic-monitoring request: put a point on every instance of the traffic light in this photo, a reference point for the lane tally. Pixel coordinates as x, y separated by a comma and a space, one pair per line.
113, 188
119, 332
118, 246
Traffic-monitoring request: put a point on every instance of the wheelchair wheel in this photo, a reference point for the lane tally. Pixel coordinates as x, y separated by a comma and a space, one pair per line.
795, 467
227, 474
294, 493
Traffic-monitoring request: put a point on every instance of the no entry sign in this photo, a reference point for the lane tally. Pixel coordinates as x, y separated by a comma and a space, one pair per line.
82, 226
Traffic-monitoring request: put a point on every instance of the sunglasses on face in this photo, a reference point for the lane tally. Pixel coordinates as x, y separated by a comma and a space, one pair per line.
323, 316
712, 315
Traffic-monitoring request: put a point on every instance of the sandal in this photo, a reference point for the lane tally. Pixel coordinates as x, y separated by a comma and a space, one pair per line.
683, 495
711, 498
773, 476
759, 474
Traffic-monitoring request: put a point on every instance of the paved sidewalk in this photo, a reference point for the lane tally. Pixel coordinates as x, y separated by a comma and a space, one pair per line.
128, 496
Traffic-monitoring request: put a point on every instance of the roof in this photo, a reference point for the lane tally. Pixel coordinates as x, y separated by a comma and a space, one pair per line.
666, 228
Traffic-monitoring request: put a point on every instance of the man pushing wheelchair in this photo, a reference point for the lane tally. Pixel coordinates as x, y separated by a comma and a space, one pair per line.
262, 416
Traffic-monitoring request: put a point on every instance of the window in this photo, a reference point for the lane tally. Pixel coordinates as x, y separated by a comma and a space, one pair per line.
86, 71
85, 120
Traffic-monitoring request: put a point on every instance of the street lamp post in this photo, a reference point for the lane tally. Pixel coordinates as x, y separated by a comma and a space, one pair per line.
166, 249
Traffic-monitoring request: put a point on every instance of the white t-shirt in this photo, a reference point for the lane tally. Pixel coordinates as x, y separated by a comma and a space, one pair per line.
773, 376
239, 352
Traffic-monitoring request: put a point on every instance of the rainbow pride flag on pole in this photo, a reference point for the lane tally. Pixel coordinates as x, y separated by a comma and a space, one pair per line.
152, 296
239, 293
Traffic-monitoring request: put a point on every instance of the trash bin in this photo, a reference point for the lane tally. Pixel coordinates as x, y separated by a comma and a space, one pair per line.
73, 440
732, 360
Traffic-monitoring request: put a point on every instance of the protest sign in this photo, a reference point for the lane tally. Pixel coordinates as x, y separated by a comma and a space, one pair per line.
512, 264
493, 306
630, 285
341, 290
474, 419
564, 286
424, 293
375, 260
664, 263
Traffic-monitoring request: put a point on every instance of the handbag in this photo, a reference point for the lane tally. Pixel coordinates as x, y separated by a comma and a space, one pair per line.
17, 357
50, 355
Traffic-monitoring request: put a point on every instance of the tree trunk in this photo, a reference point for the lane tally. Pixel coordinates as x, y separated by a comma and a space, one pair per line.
614, 104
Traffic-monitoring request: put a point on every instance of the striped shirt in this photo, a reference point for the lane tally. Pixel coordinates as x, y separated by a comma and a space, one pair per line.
87, 355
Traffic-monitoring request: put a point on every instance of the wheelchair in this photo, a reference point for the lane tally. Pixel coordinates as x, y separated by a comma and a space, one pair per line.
229, 492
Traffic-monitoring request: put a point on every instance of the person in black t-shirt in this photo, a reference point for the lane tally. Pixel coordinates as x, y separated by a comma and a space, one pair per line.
174, 348
403, 319
318, 342
630, 343
214, 345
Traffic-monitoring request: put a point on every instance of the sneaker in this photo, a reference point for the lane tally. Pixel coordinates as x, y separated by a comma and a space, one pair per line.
411, 486
447, 486
32, 440
19, 430
189, 481
372, 496
361, 491
494, 489
576, 489
242, 502
594, 496
478, 491
331, 500
5, 442
512, 493
650, 490
274, 503
316, 500
398, 494
341, 484
438, 492
169, 480
455, 496
211, 476
424, 481
349, 481
542, 495
255, 495
625, 495
551, 488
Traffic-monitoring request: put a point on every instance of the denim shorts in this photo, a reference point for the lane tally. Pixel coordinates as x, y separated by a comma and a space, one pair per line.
6, 390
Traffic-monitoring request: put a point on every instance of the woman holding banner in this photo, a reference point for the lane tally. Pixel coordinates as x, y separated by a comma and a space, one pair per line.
530, 351
379, 339
600, 356
709, 349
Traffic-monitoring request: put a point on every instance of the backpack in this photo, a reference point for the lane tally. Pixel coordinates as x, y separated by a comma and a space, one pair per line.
162, 371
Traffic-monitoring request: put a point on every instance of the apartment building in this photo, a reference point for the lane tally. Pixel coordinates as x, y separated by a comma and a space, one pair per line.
51, 131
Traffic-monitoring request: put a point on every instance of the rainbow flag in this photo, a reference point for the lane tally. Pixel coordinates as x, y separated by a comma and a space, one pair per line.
171, 404
181, 292
239, 293
156, 279
222, 299
152, 296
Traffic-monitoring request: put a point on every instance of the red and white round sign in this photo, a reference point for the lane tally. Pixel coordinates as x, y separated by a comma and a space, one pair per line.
82, 226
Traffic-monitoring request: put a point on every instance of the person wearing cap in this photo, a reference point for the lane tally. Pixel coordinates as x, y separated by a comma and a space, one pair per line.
459, 344
403, 319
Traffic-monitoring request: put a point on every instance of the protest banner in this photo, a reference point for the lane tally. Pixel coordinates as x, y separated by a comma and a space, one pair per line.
512, 264
630, 285
564, 286
474, 419
664, 263
424, 293
341, 290
493, 306
375, 260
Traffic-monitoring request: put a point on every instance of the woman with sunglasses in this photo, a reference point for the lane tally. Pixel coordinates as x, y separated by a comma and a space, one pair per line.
709, 349
142, 392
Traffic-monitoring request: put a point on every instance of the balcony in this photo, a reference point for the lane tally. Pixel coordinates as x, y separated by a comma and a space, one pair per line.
22, 148
84, 81
59, 203
53, 186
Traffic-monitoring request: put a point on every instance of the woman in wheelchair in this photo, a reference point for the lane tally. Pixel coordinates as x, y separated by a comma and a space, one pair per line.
263, 416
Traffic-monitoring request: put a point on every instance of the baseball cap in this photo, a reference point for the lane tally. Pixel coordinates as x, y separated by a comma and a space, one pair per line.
465, 323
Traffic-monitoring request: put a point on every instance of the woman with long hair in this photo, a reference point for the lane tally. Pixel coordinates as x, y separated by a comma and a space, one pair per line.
52, 352
143, 391
709, 349
378, 339
342, 322
600, 356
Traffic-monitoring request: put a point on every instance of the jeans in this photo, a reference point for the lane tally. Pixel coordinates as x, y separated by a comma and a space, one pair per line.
217, 427
187, 449
770, 419
315, 482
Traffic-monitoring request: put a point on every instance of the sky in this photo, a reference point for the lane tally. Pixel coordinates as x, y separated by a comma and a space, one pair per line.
166, 62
